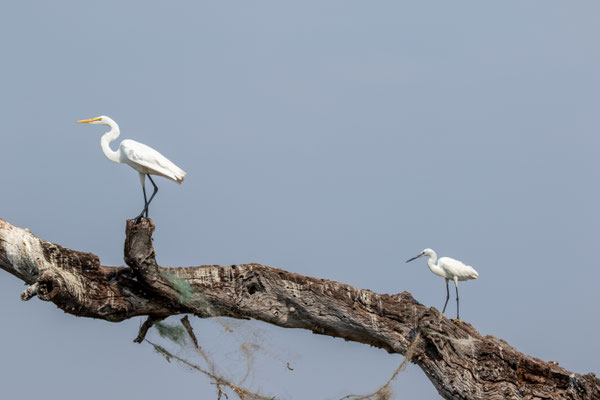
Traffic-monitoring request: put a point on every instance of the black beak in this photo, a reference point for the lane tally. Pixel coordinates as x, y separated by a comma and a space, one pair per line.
414, 258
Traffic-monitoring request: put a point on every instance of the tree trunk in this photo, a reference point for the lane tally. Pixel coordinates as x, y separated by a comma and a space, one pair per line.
460, 362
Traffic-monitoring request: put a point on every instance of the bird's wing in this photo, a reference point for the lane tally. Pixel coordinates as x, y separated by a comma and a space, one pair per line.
457, 268
152, 162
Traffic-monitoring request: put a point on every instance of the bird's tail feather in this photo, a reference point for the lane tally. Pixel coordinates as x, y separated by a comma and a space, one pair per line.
180, 177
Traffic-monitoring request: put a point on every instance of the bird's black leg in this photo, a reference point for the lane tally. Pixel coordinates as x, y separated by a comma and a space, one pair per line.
153, 194
447, 297
145, 199
457, 308
137, 219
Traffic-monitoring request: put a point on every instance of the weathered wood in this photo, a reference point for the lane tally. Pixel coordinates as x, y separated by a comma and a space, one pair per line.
460, 362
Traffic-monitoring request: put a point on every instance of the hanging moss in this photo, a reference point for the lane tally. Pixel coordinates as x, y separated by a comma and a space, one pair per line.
184, 289
186, 294
174, 333
160, 350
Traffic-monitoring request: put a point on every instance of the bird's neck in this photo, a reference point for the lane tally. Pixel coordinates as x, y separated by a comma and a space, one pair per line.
433, 267
108, 137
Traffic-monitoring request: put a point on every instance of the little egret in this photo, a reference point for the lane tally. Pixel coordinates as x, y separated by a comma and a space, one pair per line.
448, 268
144, 159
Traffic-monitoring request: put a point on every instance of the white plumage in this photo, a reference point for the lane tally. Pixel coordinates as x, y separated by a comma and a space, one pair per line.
144, 159
450, 269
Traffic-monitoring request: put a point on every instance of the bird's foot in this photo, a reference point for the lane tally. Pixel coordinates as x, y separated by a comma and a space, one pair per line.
456, 321
137, 219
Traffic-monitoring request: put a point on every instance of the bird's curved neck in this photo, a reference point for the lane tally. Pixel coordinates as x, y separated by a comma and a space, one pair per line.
108, 137
432, 264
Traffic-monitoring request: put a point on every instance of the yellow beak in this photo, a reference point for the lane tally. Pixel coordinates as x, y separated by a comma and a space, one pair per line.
85, 121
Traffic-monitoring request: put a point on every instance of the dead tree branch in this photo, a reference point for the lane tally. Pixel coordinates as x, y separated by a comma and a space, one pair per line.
461, 363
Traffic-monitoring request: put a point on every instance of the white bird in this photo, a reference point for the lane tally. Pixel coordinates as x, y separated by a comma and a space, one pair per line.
144, 159
448, 268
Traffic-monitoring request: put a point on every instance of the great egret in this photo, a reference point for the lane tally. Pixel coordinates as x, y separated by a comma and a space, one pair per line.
448, 268
144, 159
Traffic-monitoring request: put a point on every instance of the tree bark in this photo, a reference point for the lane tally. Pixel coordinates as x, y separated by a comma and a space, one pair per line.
460, 362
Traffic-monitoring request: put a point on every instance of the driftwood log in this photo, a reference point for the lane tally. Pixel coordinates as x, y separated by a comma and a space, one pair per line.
461, 363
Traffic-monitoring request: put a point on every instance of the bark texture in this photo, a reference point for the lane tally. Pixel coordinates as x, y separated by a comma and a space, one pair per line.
460, 362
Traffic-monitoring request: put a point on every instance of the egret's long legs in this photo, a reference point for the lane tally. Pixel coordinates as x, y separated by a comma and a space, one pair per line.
146, 201
153, 194
457, 308
447, 297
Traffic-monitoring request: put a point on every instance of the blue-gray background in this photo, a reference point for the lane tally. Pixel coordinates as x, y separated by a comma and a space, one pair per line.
333, 139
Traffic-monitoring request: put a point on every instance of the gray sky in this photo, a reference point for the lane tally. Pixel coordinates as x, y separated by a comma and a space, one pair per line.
333, 139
